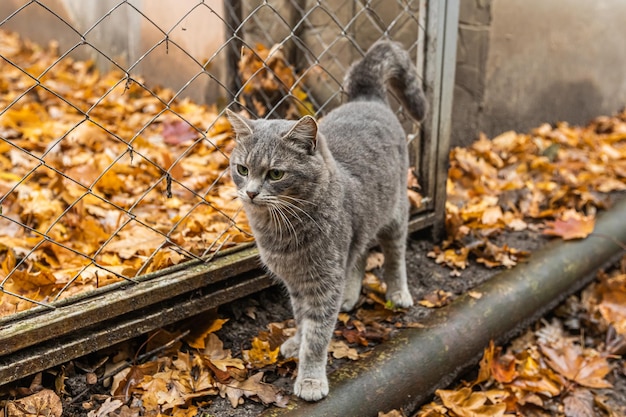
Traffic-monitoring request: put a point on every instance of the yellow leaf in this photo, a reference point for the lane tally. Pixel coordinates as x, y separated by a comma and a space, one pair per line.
198, 335
261, 354
466, 403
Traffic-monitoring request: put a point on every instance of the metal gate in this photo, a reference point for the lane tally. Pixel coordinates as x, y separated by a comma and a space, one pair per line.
116, 212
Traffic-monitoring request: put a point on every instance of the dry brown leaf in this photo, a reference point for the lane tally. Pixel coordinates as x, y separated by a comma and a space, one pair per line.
340, 349
109, 406
584, 367
571, 225
579, 403
253, 387
392, 413
218, 356
374, 260
612, 302
45, 403
467, 403
534, 376
454, 258
433, 410
436, 299
477, 295
493, 365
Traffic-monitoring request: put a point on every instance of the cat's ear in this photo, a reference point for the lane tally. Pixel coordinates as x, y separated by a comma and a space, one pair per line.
305, 132
240, 124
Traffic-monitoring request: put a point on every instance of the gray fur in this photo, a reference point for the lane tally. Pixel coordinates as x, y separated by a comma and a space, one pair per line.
343, 188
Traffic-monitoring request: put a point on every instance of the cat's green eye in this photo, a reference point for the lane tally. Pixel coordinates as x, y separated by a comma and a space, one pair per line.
242, 170
275, 174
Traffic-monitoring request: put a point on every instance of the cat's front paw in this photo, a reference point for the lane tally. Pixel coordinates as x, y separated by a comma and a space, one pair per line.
311, 389
401, 299
290, 348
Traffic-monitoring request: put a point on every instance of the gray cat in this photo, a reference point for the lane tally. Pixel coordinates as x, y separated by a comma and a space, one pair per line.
318, 196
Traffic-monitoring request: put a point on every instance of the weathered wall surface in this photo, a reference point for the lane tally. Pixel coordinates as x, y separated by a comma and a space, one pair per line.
125, 36
519, 62
524, 62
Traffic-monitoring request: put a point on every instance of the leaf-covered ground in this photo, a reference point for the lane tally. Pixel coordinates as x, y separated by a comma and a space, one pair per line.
506, 197
101, 178
570, 364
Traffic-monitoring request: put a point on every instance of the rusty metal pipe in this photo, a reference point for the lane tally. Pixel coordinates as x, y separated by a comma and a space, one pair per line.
406, 370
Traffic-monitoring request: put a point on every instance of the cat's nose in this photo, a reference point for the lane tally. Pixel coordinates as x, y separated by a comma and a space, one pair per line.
252, 194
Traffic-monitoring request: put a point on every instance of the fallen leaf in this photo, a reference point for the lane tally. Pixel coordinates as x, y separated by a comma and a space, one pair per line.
570, 361
612, 302
454, 258
392, 413
261, 354
254, 387
218, 356
199, 332
579, 403
374, 260
436, 299
467, 403
493, 365
340, 350
492, 215
477, 295
108, 407
571, 225
45, 403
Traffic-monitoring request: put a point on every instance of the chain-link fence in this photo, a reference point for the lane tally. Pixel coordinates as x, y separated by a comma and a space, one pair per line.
114, 148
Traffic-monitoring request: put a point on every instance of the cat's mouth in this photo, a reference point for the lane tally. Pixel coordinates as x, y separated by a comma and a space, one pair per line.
255, 201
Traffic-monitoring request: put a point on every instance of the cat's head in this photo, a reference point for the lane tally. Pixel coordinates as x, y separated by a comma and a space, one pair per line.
275, 161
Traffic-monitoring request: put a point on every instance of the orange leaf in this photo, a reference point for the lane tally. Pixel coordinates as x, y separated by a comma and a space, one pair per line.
197, 337
571, 226
466, 403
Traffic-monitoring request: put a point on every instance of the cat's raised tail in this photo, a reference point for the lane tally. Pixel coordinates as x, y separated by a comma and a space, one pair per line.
387, 61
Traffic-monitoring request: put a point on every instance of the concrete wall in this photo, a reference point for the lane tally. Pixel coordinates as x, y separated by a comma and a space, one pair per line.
126, 36
524, 62
519, 62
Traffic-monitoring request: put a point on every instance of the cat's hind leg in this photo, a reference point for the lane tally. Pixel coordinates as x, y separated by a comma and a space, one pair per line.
354, 281
393, 242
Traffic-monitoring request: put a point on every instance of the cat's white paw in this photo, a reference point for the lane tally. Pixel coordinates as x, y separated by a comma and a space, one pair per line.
348, 303
401, 299
311, 389
290, 348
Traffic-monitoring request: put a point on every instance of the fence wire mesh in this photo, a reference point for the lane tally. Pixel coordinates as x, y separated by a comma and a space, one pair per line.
114, 148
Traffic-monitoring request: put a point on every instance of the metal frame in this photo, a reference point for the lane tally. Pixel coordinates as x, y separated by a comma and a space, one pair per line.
41, 338
439, 51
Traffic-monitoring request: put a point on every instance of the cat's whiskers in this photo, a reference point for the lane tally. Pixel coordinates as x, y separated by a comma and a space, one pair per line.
279, 218
286, 220
276, 223
297, 200
291, 207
